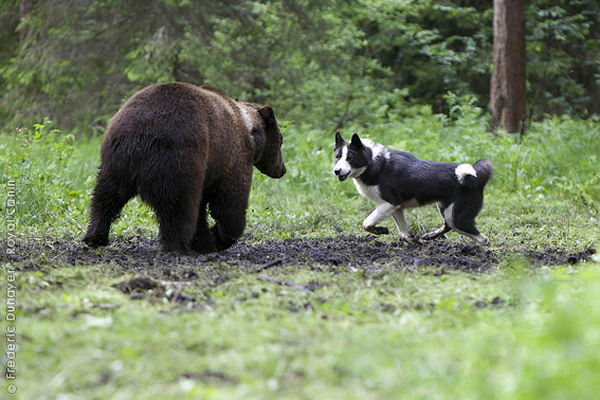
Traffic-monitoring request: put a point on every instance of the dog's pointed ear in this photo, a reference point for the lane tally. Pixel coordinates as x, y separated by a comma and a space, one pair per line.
339, 140
356, 141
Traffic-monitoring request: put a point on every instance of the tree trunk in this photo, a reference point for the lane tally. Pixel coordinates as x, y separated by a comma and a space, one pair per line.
25, 8
507, 97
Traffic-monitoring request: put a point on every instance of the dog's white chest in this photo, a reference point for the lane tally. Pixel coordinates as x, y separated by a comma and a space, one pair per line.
370, 192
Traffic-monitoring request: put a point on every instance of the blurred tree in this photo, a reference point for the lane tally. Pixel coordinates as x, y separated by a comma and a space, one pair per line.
431, 47
507, 98
323, 62
563, 56
9, 43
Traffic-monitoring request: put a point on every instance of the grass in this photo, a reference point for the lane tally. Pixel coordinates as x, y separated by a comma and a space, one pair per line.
517, 332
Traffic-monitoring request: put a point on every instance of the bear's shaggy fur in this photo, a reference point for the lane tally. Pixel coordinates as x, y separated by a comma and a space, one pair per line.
183, 148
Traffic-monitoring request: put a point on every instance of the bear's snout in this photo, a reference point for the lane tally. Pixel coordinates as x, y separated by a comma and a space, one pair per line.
283, 171
277, 174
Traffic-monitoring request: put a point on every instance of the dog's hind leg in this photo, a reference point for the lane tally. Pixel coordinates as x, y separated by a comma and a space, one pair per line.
442, 230
437, 233
381, 212
461, 214
402, 225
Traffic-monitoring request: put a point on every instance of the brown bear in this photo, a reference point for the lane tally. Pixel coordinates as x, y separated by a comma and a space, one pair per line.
183, 148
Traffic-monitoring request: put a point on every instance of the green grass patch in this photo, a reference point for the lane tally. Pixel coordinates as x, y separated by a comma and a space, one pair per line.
520, 331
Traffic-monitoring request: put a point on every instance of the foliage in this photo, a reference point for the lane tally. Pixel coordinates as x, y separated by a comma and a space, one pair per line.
324, 63
563, 60
37, 160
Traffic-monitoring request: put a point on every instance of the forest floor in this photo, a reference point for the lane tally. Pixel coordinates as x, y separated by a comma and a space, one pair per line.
136, 254
268, 318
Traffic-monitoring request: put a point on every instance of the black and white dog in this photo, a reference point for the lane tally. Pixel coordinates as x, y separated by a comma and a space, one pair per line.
396, 180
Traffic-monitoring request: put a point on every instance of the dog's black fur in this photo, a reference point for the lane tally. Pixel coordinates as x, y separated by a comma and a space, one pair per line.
401, 180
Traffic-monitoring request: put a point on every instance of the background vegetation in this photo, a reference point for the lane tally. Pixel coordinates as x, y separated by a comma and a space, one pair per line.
320, 62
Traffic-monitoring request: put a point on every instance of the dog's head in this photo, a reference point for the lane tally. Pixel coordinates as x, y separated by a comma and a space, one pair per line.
351, 159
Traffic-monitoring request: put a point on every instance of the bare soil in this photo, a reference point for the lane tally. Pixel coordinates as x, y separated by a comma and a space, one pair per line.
166, 276
140, 255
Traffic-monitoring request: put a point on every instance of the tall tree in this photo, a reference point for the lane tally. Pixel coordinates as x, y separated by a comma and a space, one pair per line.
507, 97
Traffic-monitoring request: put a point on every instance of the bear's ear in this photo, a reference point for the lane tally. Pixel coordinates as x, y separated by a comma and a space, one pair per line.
267, 114
356, 141
339, 140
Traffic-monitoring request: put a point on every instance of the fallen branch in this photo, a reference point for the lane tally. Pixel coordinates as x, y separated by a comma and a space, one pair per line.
282, 282
269, 265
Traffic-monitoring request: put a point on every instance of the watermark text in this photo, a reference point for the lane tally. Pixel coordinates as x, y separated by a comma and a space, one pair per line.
10, 277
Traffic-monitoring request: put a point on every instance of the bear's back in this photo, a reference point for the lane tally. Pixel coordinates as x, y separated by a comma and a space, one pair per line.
182, 118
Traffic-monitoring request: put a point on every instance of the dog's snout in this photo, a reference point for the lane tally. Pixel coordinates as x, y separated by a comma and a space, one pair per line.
337, 171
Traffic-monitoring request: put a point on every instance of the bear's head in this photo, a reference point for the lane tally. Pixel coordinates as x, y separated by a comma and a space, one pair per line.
268, 140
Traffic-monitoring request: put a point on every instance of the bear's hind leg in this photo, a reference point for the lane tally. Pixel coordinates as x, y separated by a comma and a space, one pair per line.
173, 188
109, 197
177, 218
203, 241
228, 208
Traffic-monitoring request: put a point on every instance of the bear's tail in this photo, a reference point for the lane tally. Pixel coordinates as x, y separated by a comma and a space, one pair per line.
474, 176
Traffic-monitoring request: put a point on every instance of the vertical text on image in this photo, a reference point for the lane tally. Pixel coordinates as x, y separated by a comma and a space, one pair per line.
10, 303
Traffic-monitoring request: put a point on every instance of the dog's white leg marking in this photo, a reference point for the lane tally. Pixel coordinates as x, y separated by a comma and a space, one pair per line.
381, 212
449, 217
481, 239
401, 224
441, 230
434, 234
439, 205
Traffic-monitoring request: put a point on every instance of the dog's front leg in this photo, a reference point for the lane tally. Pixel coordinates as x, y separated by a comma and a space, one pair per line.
381, 212
402, 225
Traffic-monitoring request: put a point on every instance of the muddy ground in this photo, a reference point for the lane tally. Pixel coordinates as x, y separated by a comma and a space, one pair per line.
140, 255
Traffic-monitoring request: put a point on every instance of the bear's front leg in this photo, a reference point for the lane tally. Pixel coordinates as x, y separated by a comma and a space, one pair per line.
381, 212
228, 208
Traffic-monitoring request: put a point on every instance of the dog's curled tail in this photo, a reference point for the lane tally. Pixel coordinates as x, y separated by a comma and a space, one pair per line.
474, 176
484, 169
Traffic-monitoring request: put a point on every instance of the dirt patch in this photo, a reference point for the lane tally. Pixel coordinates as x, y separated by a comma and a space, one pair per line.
335, 254
557, 256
